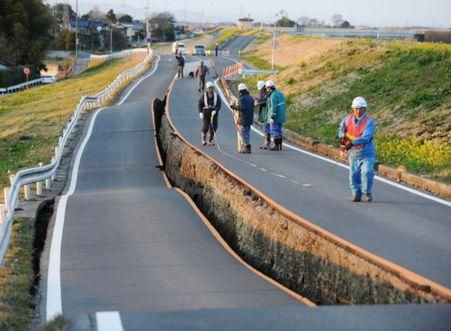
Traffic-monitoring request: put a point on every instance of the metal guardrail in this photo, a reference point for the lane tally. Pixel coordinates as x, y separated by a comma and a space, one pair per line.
92, 58
251, 72
47, 172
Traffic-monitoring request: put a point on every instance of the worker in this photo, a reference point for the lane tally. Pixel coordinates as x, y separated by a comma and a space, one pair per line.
356, 134
201, 73
275, 114
209, 106
181, 65
245, 109
261, 103
216, 49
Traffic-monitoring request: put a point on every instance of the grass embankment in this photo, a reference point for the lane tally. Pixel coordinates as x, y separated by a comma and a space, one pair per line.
32, 121
407, 86
17, 279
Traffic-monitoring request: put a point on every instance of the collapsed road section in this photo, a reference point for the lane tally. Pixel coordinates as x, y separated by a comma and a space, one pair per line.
302, 256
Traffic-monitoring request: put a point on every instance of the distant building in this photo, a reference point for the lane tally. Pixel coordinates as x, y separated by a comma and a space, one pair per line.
85, 26
245, 23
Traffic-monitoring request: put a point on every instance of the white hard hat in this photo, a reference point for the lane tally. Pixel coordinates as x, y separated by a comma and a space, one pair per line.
359, 102
270, 83
260, 84
209, 84
242, 87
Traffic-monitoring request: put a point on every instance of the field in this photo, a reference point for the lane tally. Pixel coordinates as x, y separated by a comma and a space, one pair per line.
406, 84
31, 121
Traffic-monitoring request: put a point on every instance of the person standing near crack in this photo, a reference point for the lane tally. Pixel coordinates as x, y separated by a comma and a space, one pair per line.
201, 73
275, 114
209, 106
356, 134
245, 110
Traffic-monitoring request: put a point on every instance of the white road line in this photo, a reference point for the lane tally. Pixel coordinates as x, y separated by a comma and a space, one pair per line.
139, 81
109, 321
379, 178
54, 300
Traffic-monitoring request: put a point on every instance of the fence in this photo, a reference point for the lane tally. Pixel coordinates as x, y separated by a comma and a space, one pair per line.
232, 70
93, 58
47, 172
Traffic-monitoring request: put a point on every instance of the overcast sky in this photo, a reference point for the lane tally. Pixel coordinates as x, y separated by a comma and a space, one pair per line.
436, 13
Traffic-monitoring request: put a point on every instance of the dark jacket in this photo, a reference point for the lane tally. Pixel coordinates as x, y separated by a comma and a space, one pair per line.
210, 103
202, 71
180, 61
261, 102
245, 109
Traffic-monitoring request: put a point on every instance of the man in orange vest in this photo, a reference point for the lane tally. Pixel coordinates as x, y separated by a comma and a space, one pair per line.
356, 135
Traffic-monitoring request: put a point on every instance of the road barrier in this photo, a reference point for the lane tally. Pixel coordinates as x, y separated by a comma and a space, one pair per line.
93, 58
46, 173
232, 70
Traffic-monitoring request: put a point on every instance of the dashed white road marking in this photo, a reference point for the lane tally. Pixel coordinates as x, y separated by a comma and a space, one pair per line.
109, 321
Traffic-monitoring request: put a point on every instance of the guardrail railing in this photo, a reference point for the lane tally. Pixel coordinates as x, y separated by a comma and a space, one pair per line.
92, 58
46, 173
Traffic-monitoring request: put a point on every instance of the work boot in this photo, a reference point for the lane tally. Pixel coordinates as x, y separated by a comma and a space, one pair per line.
368, 197
246, 149
277, 144
356, 199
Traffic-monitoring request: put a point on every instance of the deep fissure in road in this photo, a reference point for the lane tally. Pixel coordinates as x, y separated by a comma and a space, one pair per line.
294, 255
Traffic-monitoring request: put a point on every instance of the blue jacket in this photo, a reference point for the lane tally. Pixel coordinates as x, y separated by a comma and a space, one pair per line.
276, 107
365, 139
245, 109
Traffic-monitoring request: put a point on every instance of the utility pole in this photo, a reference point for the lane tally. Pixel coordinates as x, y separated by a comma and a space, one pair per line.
76, 29
148, 35
274, 40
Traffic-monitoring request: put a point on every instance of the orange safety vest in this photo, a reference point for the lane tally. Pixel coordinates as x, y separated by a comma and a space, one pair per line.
355, 130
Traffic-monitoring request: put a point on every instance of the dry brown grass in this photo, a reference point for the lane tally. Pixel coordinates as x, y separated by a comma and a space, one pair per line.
31, 121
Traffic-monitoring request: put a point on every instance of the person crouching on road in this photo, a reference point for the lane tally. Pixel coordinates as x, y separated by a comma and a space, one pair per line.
181, 65
209, 106
245, 110
261, 103
356, 134
201, 74
275, 114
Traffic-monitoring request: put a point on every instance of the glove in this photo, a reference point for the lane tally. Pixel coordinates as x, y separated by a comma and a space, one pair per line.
348, 145
201, 116
271, 121
213, 113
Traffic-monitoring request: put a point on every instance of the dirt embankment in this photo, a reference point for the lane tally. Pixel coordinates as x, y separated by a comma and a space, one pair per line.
306, 259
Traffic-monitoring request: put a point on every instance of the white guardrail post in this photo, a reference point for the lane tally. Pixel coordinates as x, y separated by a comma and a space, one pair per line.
46, 174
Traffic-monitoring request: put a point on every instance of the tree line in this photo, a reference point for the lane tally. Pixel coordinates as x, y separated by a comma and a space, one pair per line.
28, 28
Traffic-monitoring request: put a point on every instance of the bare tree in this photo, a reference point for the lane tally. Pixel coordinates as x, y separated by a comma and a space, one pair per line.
337, 20
303, 21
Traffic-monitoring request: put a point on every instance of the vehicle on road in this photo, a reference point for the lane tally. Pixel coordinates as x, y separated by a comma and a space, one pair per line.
49, 79
178, 47
199, 50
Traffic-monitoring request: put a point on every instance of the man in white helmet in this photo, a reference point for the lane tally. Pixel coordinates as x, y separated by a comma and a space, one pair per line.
261, 103
209, 106
275, 114
245, 109
356, 134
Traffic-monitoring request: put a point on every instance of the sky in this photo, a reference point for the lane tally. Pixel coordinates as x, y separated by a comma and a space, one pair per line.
433, 13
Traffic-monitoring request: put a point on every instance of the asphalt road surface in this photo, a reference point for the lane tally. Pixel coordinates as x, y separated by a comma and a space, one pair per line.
137, 250
407, 229
131, 244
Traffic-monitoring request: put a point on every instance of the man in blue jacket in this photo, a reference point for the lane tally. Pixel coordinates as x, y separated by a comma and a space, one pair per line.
356, 134
245, 110
275, 114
